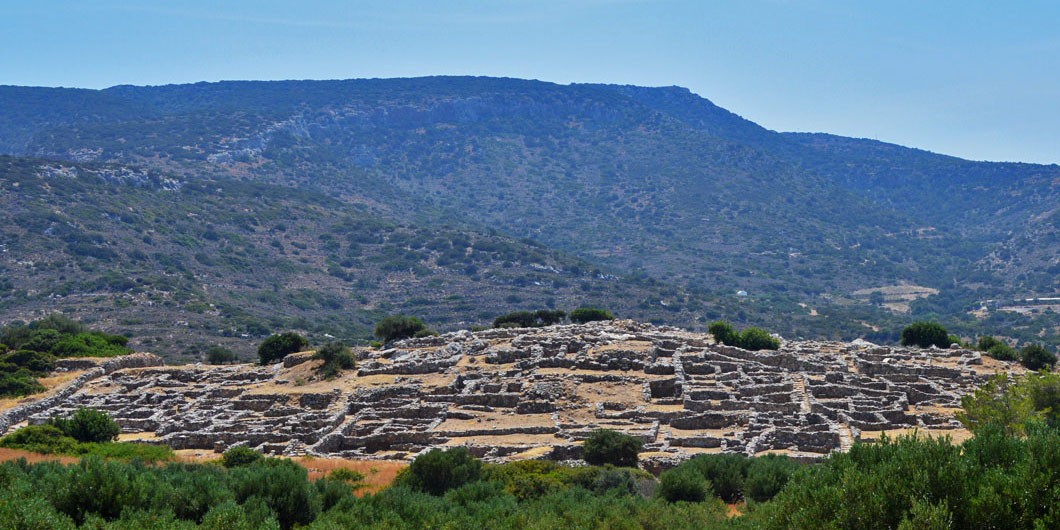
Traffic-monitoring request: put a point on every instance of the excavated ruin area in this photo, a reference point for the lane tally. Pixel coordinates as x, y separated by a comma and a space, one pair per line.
537, 393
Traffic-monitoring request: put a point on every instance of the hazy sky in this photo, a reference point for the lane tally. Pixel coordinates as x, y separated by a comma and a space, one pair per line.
975, 78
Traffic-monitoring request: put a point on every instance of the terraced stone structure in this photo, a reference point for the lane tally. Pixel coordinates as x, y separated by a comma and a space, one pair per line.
537, 393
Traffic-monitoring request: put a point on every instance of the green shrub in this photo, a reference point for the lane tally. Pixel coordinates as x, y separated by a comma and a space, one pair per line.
20, 383
752, 338
767, 475
49, 439
240, 456
59, 322
925, 334
280, 485
726, 473
590, 314
337, 357
1036, 357
683, 484
345, 475
758, 339
397, 327
425, 333
276, 347
219, 355
1003, 352
91, 344
530, 319
46, 438
615, 480
41, 340
88, 425
437, 471
724, 333
605, 446
33, 361
986, 342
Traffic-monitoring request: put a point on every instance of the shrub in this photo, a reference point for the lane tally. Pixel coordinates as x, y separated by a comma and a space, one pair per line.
19, 383
345, 475
33, 361
724, 333
59, 322
281, 486
240, 456
42, 340
758, 339
276, 347
752, 338
49, 439
683, 484
1036, 357
530, 319
726, 473
46, 438
88, 425
987, 342
91, 344
337, 357
437, 471
605, 446
425, 333
925, 334
767, 475
590, 314
397, 327
219, 355
613, 480
1003, 352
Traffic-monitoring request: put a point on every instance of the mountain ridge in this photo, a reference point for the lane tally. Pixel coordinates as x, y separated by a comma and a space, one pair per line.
651, 183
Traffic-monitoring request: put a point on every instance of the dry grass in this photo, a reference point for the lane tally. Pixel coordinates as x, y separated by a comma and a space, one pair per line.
956, 435
378, 474
735, 510
137, 436
14, 454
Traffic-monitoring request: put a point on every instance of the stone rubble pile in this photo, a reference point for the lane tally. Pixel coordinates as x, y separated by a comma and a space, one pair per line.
537, 393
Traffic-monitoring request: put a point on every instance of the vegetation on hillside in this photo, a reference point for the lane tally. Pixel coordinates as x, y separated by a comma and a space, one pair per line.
87, 432
29, 351
752, 338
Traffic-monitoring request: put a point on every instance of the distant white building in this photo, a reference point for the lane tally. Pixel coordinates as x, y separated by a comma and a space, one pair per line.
741, 293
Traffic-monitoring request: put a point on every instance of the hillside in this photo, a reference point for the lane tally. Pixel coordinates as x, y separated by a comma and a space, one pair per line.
181, 263
652, 185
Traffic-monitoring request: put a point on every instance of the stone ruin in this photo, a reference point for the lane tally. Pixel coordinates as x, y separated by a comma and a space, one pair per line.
537, 393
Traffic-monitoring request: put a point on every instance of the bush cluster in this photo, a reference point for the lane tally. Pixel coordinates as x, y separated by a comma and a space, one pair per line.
28, 352
397, 327
990, 481
752, 338
275, 347
530, 319
219, 355
337, 357
590, 314
86, 432
88, 425
926, 334
605, 446
1032, 356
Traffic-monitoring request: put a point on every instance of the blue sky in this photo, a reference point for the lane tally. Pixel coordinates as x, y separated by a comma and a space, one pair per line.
977, 79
